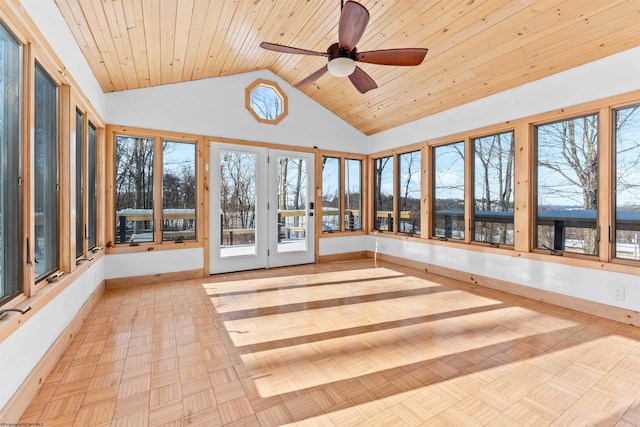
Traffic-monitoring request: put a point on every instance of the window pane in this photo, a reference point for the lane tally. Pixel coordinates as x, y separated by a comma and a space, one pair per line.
79, 183
330, 194
134, 189
383, 194
493, 189
178, 191
409, 198
567, 177
46, 174
448, 186
627, 151
238, 174
292, 204
92, 227
353, 194
10, 148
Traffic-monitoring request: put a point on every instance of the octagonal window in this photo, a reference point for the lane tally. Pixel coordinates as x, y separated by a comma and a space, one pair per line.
266, 101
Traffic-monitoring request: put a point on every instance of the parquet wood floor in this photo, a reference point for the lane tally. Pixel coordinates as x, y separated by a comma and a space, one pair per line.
344, 344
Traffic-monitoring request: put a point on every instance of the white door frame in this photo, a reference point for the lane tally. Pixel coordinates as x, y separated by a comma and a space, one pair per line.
266, 252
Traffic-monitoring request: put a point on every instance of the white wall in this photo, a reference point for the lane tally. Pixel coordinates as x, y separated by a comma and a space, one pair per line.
585, 283
24, 348
147, 263
216, 107
613, 75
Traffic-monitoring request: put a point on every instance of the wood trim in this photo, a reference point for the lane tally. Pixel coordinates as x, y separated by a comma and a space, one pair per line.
29, 388
606, 183
128, 282
425, 187
66, 180
469, 178
522, 187
271, 146
349, 256
276, 88
597, 309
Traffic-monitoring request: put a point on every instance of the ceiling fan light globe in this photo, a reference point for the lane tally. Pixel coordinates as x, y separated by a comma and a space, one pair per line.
341, 67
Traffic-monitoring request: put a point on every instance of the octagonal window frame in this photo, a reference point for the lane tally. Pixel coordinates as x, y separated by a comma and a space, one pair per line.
277, 90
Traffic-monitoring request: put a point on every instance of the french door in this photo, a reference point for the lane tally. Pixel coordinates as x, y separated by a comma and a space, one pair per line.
261, 208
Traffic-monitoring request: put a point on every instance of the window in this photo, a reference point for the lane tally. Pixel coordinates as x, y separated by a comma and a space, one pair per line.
46, 241
352, 194
178, 191
266, 101
448, 191
79, 183
91, 188
409, 197
567, 185
144, 166
134, 189
330, 194
627, 183
383, 194
493, 189
10, 172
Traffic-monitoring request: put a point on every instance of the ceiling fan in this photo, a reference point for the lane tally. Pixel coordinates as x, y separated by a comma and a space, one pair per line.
344, 55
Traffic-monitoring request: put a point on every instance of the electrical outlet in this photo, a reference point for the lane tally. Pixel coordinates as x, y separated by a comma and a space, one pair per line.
618, 293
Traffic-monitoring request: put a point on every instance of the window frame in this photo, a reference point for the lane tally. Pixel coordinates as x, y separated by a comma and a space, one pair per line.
18, 269
342, 157
278, 90
612, 203
466, 190
472, 189
61, 151
599, 190
157, 243
89, 120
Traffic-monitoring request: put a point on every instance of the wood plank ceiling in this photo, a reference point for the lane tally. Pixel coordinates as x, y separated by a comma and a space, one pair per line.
476, 47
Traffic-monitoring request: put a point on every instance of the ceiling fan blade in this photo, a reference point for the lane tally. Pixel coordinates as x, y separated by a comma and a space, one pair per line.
353, 21
313, 77
288, 49
362, 81
403, 57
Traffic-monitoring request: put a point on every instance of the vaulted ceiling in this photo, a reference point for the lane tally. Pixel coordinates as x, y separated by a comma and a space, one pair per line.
476, 47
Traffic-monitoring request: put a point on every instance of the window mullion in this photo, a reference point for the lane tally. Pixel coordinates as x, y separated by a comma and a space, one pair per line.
157, 190
341, 191
522, 188
468, 190
605, 183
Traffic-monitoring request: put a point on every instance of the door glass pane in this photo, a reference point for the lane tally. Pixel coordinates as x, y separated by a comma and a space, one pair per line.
92, 227
46, 174
237, 203
11, 248
409, 200
178, 191
353, 194
330, 194
383, 194
493, 189
567, 185
79, 183
292, 204
134, 189
627, 214
448, 185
